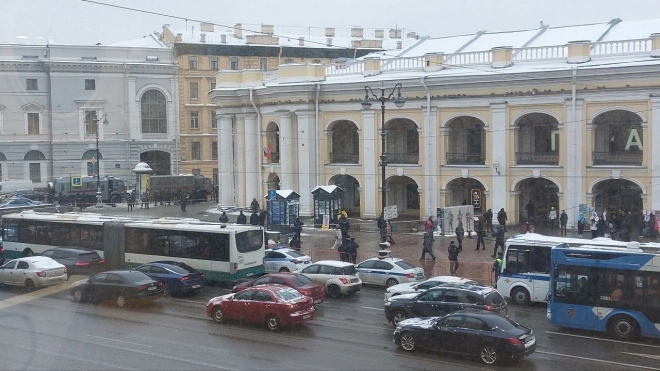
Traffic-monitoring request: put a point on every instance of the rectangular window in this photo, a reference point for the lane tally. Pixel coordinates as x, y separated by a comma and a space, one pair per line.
35, 173
90, 84
194, 90
215, 175
288, 61
316, 61
263, 64
33, 122
214, 63
192, 62
234, 63
214, 150
194, 120
196, 151
214, 120
197, 172
212, 86
32, 84
91, 169
90, 123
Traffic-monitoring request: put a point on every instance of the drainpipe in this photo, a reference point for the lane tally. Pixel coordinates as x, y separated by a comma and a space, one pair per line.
316, 122
279, 62
128, 127
46, 68
427, 126
575, 128
261, 144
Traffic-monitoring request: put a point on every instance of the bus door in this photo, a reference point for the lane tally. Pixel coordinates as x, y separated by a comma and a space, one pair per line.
573, 299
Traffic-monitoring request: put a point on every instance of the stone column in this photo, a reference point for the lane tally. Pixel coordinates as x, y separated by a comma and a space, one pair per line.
430, 162
252, 158
307, 156
575, 167
239, 160
288, 160
655, 160
499, 156
133, 120
369, 162
225, 161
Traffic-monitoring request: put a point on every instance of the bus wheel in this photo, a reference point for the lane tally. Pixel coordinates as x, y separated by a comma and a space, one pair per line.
28, 252
520, 296
623, 327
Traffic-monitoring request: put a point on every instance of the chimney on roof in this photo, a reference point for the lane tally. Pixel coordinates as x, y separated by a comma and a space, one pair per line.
395, 33
411, 35
357, 32
328, 41
238, 31
202, 37
301, 41
380, 34
268, 29
541, 24
223, 38
179, 38
206, 27
399, 44
330, 32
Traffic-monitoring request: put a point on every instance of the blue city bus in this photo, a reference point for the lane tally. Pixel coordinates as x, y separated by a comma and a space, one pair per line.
607, 290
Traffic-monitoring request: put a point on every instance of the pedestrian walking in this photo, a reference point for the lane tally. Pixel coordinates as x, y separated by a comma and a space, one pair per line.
428, 226
241, 219
594, 225
502, 218
563, 220
130, 201
183, 201
297, 228
224, 218
452, 253
344, 226
254, 218
343, 250
499, 240
553, 217
388, 233
460, 234
381, 224
352, 250
427, 246
338, 240
497, 268
479, 226
580, 225
488, 215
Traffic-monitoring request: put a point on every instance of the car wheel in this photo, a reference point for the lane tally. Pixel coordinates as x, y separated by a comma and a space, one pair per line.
623, 327
166, 290
520, 296
29, 285
333, 291
77, 295
391, 282
284, 270
408, 341
219, 315
398, 317
272, 322
488, 354
121, 301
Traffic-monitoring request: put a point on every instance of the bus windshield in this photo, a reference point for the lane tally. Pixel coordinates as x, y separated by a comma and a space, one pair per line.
249, 241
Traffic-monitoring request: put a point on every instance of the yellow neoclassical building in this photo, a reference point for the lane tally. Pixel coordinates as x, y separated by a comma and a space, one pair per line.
551, 117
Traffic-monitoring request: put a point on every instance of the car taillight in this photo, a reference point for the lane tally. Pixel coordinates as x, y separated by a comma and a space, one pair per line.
101, 261
305, 292
344, 281
160, 284
2, 249
183, 278
515, 341
82, 264
490, 308
41, 274
410, 275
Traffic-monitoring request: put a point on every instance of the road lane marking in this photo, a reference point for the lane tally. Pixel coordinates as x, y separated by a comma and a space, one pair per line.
37, 294
191, 301
597, 360
601, 339
652, 356
120, 341
378, 309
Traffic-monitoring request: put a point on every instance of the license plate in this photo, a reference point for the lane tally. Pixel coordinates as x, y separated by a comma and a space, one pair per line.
317, 301
420, 275
152, 288
196, 286
354, 280
307, 316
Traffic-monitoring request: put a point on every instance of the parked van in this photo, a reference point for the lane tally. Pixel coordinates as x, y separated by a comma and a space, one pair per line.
8, 187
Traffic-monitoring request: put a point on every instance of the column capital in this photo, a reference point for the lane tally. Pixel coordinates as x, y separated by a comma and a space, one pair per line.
250, 116
368, 114
305, 113
226, 116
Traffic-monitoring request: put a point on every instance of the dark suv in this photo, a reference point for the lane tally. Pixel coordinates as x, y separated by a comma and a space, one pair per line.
77, 260
441, 300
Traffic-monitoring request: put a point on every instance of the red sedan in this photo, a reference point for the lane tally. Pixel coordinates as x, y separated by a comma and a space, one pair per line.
274, 305
294, 280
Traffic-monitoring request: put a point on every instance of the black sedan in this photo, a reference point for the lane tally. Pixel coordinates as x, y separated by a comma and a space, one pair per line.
177, 278
77, 260
120, 287
487, 335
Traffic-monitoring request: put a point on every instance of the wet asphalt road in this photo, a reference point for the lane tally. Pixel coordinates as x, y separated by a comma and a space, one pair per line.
53, 332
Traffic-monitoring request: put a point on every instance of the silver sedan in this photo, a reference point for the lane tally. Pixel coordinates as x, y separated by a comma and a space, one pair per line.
32, 272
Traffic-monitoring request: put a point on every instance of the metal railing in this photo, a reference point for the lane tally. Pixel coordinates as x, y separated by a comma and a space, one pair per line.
537, 158
402, 158
620, 47
397, 64
466, 158
606, 158
540, 53
349, 68
344, 158
482, 57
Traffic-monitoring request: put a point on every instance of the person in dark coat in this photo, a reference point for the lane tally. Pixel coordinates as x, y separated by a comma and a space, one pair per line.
183, 201
452, 254
502, 219
652, 231
297, 228
241, 219
624, 234
481, 232
382, 227
499, 240
224, 218
262, 217
254, 218
488, 215
428, 245
352, 251
563, 220
460, 234
343, 249
254, 205
344, 226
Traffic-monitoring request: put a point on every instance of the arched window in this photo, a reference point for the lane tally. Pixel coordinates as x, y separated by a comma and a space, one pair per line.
34, 156
89, 159
34, 167
618, 138
153, 108
538, 140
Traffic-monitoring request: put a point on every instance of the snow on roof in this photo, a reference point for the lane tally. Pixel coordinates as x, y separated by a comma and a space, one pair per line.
329, 188
563, 35
447, 45
633, 30
487, 41
149, 41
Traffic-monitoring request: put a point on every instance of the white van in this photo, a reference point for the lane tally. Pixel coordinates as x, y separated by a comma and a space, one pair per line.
8, 187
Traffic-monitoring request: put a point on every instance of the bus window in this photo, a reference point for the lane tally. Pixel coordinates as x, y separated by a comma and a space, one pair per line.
517, 260
10, 233
653, 297
220, 248
539, 259
574, 288
249, 241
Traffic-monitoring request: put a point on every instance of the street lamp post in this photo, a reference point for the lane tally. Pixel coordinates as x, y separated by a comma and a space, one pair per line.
366, 104
99, 195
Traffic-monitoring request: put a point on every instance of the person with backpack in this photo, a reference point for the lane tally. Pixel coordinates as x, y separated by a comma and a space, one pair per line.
452, 253
497, 267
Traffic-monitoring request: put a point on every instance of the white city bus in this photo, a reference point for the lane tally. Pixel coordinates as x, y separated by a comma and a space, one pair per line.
223, 253
525, 273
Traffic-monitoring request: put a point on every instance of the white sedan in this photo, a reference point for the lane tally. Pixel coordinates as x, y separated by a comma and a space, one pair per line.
386, 271
32, 272
414, 287
284, 259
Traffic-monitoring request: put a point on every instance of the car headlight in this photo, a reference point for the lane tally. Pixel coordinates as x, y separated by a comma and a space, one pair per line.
388, 303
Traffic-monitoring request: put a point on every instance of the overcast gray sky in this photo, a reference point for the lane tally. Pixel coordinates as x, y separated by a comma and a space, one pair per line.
78, 22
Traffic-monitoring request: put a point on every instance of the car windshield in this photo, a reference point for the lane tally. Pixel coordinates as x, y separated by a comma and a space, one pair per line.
405, 265
288, 294
136, 277
295, 254
88, 257
345, 271
301, 280
495, 298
